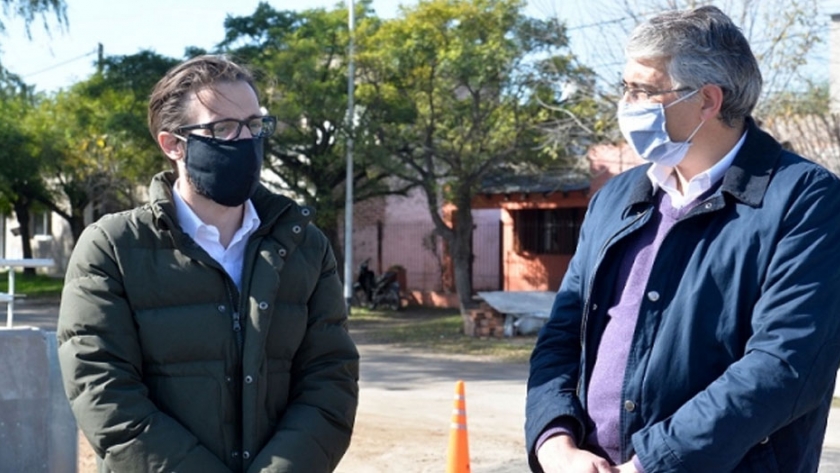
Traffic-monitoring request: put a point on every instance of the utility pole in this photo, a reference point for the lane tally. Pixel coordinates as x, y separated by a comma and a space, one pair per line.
348, 181
100, 57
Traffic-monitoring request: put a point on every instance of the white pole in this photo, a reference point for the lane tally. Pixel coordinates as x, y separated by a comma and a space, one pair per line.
348, 182
10, 308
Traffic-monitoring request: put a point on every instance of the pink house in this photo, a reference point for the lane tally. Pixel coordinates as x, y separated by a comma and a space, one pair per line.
526, 230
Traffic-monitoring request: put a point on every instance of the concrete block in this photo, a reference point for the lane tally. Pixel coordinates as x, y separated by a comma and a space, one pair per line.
37, 430
64, 435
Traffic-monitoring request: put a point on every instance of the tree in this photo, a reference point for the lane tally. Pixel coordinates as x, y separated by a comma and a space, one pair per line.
93, 141
300, 59
456, 89
21, 183
30, 10
782, 34
120, 91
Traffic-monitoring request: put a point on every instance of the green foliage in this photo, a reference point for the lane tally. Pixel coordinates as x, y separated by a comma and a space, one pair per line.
136, 74
121, 90
455, 89
90, 142
30, 10
21, 180
37, 285
300, 61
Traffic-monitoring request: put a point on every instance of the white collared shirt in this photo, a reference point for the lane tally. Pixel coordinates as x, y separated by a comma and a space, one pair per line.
664, 177
207, 236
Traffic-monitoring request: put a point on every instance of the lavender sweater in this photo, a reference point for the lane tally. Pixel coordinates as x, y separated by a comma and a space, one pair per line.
604, 402
604, 393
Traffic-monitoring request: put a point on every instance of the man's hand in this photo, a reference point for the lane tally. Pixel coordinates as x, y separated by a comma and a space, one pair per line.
628, 467
559, 454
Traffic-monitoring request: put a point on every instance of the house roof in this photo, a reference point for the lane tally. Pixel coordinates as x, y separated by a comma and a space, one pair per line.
507, 181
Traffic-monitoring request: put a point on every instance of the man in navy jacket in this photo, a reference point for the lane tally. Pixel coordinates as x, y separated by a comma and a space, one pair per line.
698, 326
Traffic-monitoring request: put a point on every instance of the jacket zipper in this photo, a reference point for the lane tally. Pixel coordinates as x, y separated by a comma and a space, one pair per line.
236, 317
591, 282
608, 243
622, 450
588, 298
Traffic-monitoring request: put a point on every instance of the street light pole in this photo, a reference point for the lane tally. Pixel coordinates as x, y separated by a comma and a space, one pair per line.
348, 181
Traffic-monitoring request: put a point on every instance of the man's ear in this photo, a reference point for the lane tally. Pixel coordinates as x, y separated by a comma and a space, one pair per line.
712, 96
172, 146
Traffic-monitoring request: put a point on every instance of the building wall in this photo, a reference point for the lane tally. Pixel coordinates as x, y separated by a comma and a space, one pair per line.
534, 272
606, 161
409, 241
398, 231
57, 244
522, 271
366, 216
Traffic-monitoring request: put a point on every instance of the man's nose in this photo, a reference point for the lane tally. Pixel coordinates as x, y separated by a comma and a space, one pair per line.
245, 133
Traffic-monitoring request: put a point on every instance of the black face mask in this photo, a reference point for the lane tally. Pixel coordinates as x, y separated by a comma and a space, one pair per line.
227, 172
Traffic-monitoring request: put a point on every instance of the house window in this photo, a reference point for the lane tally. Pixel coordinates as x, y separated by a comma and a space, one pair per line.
547, 231
41, 223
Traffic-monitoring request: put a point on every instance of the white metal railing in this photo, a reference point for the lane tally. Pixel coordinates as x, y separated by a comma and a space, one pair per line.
11, 265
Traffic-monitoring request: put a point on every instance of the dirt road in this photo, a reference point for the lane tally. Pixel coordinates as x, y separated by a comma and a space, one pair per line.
405, 409
406, 404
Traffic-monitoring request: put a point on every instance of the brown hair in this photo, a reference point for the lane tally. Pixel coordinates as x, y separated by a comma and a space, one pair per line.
166, 104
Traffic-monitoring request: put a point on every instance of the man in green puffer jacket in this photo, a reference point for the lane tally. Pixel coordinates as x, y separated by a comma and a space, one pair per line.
206, 330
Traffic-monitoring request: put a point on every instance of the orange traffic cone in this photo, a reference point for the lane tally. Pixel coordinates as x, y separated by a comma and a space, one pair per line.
459, 452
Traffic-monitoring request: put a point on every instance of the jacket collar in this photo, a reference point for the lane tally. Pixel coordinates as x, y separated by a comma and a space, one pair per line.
748, 177
269, 206
746, 180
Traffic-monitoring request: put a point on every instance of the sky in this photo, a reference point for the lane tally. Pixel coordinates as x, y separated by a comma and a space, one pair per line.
58, 59
125, 27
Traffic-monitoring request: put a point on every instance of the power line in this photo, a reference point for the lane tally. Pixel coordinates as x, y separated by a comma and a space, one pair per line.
63, 63
600, 23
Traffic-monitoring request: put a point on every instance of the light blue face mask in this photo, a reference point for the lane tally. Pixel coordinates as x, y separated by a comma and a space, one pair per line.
643, 126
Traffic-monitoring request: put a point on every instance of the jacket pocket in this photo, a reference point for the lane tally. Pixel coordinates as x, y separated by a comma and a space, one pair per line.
195, 401
760, 459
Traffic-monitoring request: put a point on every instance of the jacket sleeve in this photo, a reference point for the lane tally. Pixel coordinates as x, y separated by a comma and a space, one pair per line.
555, 361
314, 432
790, 360
101, 367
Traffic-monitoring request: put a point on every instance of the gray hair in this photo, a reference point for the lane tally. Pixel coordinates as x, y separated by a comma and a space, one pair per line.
703, 47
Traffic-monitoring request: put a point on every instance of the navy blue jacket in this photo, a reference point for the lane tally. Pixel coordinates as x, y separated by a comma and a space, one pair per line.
737, 344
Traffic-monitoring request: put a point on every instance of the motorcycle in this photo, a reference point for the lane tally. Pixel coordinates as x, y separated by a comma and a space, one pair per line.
373, 292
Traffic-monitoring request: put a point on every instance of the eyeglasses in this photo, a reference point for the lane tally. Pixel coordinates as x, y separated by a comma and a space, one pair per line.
642, 94
230, 129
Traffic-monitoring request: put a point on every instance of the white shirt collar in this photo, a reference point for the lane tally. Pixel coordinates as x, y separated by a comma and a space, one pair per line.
192, 224
663, 177
207, 236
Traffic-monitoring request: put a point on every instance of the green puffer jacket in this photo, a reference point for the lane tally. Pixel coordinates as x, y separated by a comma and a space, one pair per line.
168, 368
